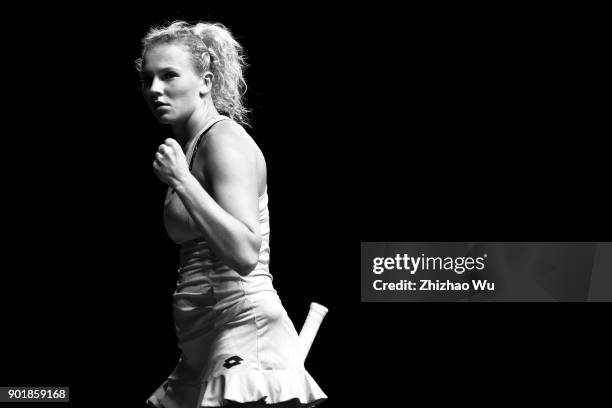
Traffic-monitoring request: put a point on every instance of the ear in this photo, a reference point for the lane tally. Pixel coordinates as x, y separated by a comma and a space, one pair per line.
206, 83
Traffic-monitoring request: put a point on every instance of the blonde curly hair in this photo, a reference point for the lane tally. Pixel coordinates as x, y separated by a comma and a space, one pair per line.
212, 48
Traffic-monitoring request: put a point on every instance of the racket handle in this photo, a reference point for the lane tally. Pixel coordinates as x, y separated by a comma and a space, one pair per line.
311, 326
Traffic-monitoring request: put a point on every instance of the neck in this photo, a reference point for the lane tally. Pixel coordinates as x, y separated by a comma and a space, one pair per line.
187, 130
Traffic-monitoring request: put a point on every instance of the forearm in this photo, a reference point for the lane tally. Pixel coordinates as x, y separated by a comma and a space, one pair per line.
231, 240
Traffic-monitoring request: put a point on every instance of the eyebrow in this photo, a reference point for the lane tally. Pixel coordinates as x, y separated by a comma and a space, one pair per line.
170, 68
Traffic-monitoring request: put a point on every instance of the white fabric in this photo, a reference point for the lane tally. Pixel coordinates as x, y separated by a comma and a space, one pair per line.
237, 341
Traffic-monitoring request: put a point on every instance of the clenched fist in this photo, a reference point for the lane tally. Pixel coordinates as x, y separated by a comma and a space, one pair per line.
170, 164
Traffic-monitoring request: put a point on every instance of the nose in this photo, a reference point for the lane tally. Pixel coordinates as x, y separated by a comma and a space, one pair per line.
154, 88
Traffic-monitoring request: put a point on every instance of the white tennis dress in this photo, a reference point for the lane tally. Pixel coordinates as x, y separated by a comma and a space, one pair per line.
237, 341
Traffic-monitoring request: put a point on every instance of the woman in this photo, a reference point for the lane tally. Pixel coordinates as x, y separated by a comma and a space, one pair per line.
238, 344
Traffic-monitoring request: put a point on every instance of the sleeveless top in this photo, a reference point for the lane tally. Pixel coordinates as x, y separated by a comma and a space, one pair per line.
179, 225
196, 257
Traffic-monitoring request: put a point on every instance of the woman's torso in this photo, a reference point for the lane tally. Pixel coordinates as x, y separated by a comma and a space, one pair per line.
177, 221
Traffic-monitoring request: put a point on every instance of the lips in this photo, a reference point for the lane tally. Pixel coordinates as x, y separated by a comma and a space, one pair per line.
159, 104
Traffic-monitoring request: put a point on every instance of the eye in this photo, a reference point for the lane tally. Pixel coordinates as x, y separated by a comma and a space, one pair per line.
170, 75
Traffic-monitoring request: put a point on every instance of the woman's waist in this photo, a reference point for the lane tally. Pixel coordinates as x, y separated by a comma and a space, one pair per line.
201, 276
196, 251
206, 295
214, 269
199, 315
197, 258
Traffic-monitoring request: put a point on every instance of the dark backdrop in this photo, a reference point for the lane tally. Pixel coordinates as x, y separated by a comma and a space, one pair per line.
377, 125
89, 304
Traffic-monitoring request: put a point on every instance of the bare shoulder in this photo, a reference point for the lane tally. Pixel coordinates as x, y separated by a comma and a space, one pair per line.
229, 151
228, 145
228, 137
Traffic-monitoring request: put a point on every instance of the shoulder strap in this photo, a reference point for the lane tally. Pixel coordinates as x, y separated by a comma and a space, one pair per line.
206, 129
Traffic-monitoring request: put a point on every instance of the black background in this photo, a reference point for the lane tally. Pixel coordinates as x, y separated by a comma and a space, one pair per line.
377, 124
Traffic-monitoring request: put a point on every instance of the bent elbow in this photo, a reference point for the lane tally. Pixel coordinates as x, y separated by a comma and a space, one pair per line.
246, 266
247, 262
249, 258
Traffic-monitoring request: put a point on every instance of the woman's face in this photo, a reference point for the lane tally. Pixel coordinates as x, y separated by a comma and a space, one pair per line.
170, 85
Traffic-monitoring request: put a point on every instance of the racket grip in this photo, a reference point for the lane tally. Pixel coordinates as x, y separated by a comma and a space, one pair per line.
311, 326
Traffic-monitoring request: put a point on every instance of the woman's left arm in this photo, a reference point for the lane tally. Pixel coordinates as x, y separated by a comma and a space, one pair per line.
230, 221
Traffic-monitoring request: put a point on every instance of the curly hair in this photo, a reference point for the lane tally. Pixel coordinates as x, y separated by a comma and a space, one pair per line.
212, 48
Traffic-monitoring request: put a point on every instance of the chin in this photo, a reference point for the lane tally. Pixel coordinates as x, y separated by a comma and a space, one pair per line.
165, 119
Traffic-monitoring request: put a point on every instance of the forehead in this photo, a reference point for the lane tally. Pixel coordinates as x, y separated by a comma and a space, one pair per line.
162, 56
